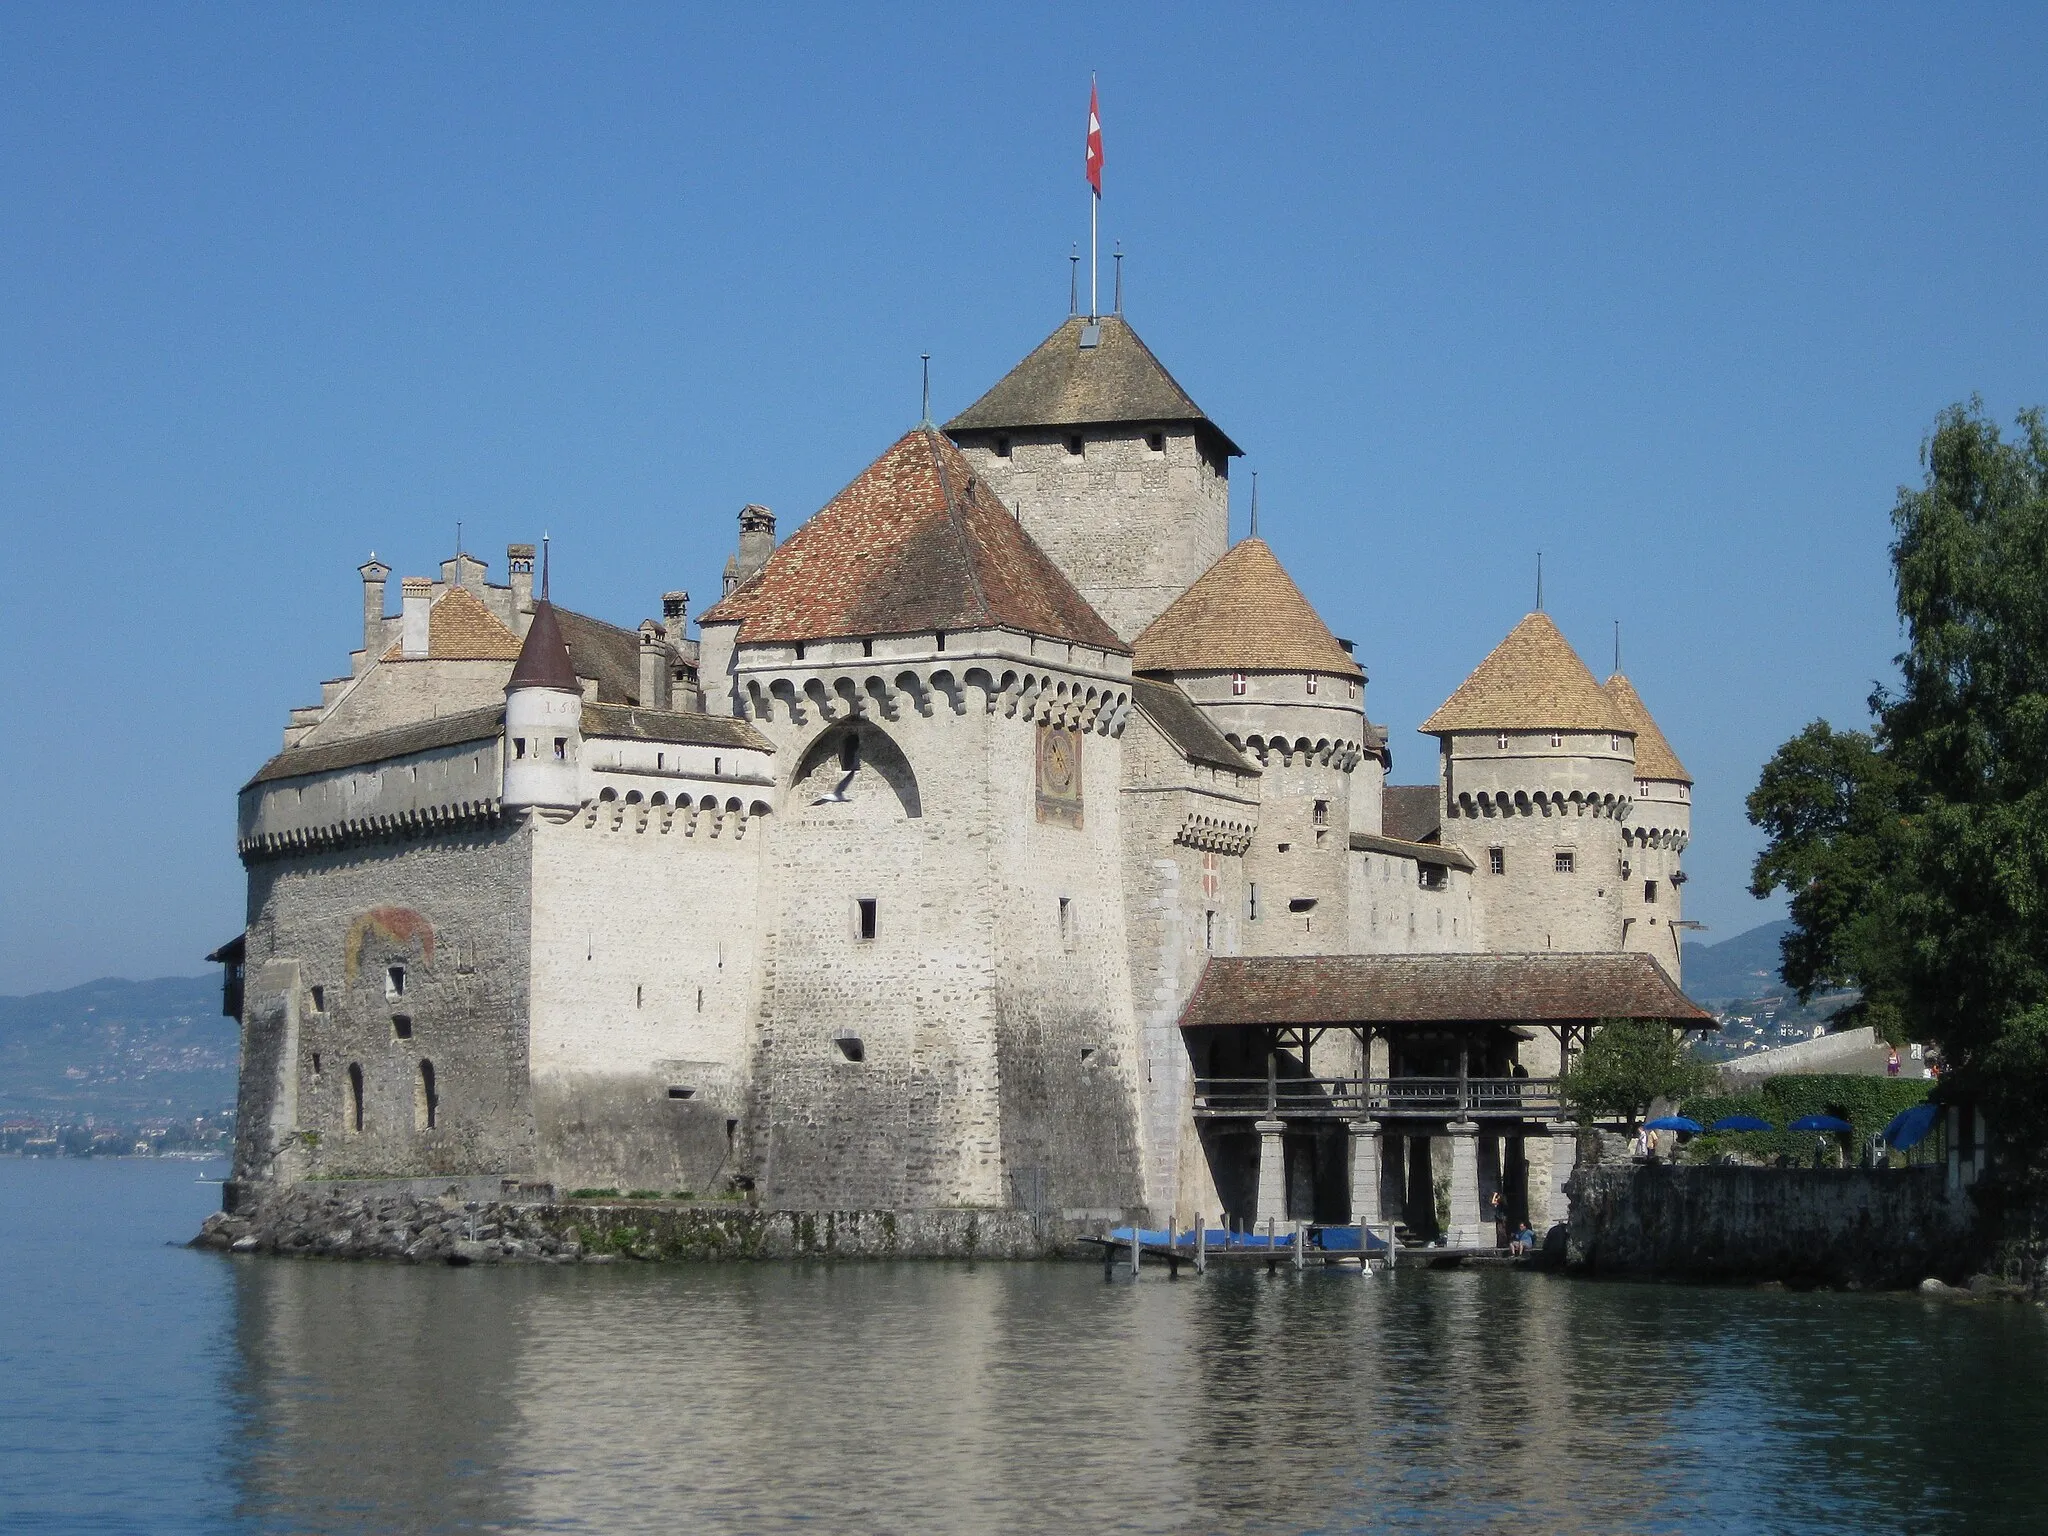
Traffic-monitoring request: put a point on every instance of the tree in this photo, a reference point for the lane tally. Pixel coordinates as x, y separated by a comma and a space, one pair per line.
1916, 856
1626, 1065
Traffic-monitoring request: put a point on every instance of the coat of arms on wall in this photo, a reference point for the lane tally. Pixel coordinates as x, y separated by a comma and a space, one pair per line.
1059, 776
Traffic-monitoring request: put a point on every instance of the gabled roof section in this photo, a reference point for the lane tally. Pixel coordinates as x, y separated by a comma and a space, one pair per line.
916, 543
1654, 757
401, 741
1065, 384
1244, 614
461, 628
1532, 681
606, 654
544, 658
1549, 987
626, 723
1183, 724
1442, 854
1412, 813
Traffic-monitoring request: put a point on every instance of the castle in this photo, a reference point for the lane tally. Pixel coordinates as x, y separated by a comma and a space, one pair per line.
1003, 838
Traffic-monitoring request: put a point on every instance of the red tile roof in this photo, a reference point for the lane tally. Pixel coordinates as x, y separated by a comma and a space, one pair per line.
916, 543
1244, 614
1415, 989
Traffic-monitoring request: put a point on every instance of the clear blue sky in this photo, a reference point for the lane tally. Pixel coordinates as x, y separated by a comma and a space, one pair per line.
1670, 293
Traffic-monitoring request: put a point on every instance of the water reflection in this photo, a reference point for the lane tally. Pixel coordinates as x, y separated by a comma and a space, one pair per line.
1033, 1397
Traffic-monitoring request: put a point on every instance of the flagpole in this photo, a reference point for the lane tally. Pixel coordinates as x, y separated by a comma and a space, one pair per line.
1094, 209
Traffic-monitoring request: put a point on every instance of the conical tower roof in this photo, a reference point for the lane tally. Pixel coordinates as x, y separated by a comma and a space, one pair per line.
916, 543
544, 658
1244, 614
1532, 681
1654, 757
1072, 379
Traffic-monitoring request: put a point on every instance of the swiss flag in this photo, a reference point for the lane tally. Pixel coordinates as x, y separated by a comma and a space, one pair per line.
1094, 142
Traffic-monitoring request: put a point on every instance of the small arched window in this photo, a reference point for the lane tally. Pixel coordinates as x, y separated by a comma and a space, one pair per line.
426, 1101
355, 1096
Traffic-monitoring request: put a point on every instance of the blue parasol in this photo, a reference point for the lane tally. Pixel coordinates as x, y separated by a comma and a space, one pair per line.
1673, 1123
1741, 1123
1910, 1126
1820, 1123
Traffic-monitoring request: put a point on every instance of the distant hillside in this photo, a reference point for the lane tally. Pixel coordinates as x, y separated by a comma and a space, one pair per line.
1744, 966
127, 1050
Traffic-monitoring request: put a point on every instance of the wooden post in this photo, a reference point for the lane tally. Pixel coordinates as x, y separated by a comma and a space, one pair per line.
1201, 1244
1135, 1236
1272, 1083
1300, 1244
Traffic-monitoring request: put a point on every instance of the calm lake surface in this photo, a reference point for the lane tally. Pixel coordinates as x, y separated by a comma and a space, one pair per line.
147, 1388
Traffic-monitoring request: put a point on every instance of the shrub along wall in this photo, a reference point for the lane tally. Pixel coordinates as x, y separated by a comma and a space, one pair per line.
1867, 1103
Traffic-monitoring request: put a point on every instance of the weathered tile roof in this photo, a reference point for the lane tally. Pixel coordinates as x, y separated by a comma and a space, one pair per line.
400, 741
1411, 811
1183, 724
1244, 614
1064, 384
461, 628
1654, 757
605, 653
1532, 681
1445, 854
1408, 989
916, 543
687, 729
544, 657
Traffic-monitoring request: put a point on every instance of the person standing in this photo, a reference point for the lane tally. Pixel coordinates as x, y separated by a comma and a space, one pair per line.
1500, 1220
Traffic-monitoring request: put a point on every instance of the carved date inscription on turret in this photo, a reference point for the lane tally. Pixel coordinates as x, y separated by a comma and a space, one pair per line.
1059, 775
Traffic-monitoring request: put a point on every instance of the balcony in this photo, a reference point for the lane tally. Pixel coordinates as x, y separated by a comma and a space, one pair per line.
1376, 1098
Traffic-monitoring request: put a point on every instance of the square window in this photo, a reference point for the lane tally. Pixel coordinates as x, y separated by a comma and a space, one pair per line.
1650, 891
1156, 442
1074, 444
1322, 813
1002, 447
401, 1025
518, 748
864, 916
1565, 861
1497, 861
561, 749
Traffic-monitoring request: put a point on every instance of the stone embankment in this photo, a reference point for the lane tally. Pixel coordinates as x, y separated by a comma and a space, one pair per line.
1863, 1228
345, 1222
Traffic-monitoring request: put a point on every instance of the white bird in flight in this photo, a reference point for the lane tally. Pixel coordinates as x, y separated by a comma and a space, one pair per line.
838, 795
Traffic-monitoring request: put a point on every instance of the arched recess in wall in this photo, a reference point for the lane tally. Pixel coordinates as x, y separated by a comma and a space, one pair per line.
877, 766
426, 1098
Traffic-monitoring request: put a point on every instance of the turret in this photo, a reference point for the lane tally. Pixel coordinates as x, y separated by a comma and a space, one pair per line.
1659, 826
375, 574
1255, 657
1108, 464
543, 719
1537, 773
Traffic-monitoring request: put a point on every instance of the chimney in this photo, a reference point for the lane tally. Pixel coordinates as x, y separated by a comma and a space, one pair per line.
415, 597
654, 667
757, 539
675, 617
374, 575
519, 562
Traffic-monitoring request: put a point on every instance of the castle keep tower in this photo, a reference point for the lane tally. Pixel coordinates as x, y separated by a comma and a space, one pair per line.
543, 719
1657, 830
1108, 464
1537, 772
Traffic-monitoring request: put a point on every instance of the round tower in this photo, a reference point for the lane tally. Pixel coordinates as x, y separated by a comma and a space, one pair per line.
543, 719
1654, 836
1256, 658
1537, 773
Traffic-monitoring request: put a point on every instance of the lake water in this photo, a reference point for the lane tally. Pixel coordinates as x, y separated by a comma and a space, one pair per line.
149, 1388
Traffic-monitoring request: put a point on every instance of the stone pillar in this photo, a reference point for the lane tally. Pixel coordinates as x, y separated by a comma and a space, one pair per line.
1955, 1151
1365, 1172
1469, 1229
1272, 1172
1564, 1158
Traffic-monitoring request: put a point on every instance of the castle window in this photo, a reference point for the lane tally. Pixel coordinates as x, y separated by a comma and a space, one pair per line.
1066, 918
849, 754
1311, 681
1433, 877
1002, 447
561, 749
607, 793
717, 766
1496, 861
1642, 789
939, 641
1614, 743
1556, 739
1650, 891
316, 1063
639, 996
426, 1103
1156, 442
1074, 444
1565, 862
799, 650
1501, 741
1209, 932
319, 999
867, 647
700, 999
678, 1091
1302, 904
394, 983
851, 1046
1238, 684
1251, 902
401, 1025
355, 1096
661, 760
1322, 813
864, 916
518, 748
1351, 688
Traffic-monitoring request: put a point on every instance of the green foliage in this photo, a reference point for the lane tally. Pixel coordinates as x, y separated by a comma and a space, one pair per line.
643, 1194
1916, 857
593, 1194
1627, 1064
1867, 1103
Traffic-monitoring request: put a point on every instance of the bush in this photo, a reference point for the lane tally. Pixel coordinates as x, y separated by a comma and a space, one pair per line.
1867, 1103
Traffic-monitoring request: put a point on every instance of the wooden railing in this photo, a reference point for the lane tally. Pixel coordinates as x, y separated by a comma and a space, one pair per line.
1358, 1098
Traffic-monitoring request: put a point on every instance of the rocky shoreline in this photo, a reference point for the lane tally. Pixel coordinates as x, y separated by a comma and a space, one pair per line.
309, 1221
